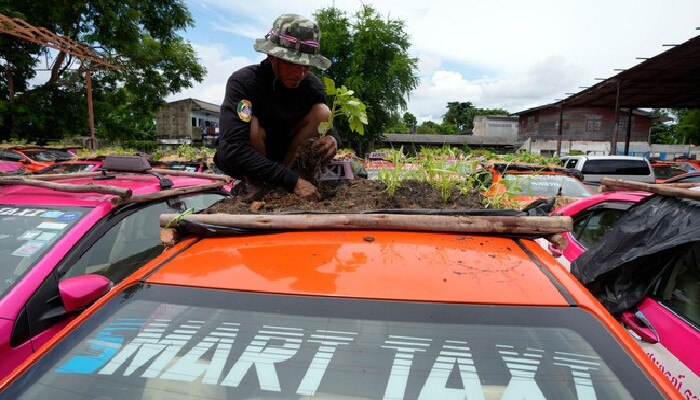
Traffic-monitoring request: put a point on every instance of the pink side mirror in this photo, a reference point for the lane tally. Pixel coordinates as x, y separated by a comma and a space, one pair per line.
640, 326
555, 251
80, 291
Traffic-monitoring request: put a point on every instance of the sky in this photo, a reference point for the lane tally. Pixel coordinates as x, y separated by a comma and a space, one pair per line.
508, 54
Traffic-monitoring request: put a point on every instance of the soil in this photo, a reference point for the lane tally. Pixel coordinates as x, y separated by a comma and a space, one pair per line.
351, 196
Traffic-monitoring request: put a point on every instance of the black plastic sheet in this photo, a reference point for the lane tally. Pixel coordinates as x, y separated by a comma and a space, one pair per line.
624, 266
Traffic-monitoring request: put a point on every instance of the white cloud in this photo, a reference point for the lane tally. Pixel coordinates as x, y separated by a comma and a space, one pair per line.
220, 65
525, 53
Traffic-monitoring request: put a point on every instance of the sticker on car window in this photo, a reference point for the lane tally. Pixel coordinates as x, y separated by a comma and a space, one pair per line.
22, 212
28, 249
29, 235
51, 225
52, 214
68, 217
46, 236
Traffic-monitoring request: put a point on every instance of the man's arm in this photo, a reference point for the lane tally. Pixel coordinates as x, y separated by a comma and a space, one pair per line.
234, 142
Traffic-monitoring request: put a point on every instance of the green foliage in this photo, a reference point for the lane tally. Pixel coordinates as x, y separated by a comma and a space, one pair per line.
344, 103
146, 146
427, 128
684, 129
142, 36
392, 176
410, 120
370, 56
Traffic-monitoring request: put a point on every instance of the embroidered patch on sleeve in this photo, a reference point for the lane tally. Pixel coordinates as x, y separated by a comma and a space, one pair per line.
245, 110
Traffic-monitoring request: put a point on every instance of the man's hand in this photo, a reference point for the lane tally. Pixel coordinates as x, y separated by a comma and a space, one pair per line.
325, 148
307, 191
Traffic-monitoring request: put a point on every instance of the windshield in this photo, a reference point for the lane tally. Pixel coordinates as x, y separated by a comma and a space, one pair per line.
27, 233
157, 341
545, 185
67, 168
47, 155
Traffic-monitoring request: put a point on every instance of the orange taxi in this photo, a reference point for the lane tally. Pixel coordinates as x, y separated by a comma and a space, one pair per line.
339, 313
34, 158
527, 183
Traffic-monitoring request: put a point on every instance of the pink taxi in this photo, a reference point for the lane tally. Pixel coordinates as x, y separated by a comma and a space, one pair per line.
65, 240
646, 279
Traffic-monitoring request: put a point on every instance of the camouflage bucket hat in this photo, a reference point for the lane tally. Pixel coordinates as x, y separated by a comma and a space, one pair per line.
295, 39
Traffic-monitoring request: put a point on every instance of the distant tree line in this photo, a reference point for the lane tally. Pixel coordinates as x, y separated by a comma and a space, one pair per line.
458, 120
683, 129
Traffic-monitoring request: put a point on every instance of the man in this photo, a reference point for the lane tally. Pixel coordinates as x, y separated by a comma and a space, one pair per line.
271, 108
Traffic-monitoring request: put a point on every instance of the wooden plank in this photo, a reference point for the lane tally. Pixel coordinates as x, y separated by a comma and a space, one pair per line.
66, 187
436, 223
656, 188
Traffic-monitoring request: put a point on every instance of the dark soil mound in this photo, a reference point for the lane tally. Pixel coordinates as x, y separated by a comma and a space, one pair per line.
352, 196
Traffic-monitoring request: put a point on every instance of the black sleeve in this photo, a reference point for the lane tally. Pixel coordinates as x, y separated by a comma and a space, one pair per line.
234, 142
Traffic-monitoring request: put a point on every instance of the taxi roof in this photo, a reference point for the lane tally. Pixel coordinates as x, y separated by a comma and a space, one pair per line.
411, 266
138, 183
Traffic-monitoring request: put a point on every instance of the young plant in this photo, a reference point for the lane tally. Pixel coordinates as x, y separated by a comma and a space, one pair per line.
344, 103
391, 176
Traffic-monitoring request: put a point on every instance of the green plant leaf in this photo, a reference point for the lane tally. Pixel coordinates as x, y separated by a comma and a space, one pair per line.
330, 86
324, 127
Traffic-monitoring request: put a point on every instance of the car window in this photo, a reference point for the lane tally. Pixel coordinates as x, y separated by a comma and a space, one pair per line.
158, 341
10, 156
571, 163
545, 185
690, 179
588, 231
133, 240
67, 168
681, 290
616, 167
27, 233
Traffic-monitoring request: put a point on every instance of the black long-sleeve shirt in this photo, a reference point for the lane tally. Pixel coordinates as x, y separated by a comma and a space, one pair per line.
277, 109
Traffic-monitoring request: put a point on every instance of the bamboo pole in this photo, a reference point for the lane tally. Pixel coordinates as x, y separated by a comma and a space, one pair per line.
201, 175
66, 187
140, 198
436, 223
657, 188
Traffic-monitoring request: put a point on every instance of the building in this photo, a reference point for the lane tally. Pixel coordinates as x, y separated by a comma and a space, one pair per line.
585, 130
187, 121
501, 126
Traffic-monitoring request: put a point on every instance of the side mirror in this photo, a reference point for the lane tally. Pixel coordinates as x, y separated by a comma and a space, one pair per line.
555, 251
81, 291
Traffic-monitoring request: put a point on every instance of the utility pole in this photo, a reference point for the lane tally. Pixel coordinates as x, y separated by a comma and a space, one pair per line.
21, 29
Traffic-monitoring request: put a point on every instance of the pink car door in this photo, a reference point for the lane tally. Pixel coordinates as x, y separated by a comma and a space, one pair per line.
671, 316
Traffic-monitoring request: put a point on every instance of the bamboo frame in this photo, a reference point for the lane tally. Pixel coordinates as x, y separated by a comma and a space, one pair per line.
436, 223
657, 188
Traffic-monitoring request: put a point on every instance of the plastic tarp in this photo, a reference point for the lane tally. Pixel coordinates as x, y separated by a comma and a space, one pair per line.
651, 236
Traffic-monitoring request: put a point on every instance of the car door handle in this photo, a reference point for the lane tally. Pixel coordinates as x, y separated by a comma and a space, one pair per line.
640, 326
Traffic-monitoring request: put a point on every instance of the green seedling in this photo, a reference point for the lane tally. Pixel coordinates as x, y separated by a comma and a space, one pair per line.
344, 103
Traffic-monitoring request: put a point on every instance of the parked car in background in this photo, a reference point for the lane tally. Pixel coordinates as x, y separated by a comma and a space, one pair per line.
34, 158
337, 313
646, 271
62, 247
666, 170
690, 177
593, 216
595, 168
530, 182
68, 167
8, 167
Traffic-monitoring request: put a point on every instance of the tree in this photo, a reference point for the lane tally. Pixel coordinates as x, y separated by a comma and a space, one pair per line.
370, 57
410, 121
140, 35
684, 129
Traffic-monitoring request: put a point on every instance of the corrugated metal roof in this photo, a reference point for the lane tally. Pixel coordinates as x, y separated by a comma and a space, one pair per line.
668, 80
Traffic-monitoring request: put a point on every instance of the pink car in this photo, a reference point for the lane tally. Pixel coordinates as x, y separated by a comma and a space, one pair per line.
666, 322
62, 250
593, 216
